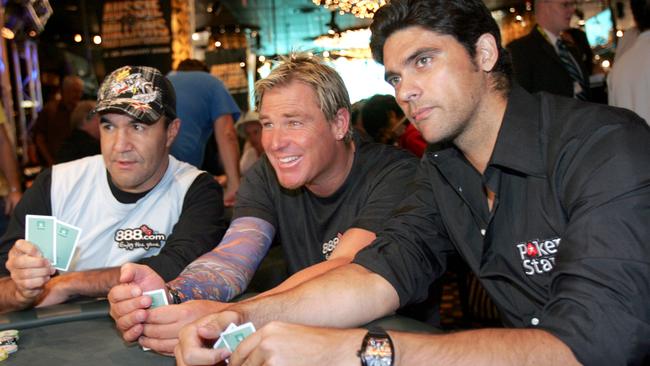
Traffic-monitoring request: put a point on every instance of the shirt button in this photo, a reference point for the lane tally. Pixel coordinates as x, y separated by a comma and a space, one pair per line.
460, 189
534, 321
483, 232
435, 155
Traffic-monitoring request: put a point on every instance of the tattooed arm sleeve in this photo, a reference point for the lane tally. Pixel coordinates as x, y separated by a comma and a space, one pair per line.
225, 272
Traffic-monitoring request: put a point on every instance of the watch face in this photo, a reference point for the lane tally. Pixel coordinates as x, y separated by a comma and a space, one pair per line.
378, 352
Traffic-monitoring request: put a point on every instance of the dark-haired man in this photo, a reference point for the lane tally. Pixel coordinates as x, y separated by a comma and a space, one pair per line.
133, 203
546, 198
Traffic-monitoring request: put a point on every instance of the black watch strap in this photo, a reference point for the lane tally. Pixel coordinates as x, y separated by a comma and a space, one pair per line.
173, 294
377, 349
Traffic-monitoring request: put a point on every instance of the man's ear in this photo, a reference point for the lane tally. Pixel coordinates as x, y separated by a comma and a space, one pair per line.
487, 52
341, 123
172, 131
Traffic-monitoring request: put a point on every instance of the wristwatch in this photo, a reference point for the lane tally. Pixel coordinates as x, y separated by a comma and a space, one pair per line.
173, 294
376, 349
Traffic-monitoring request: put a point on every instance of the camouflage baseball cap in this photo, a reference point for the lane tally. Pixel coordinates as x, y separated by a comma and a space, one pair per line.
141, 92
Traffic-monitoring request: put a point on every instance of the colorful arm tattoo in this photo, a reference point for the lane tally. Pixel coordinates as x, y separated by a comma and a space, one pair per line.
225, 272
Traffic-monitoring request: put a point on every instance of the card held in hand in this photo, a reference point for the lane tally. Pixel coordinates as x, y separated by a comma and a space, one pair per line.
158, 298
39, 230
235, 336
67, 238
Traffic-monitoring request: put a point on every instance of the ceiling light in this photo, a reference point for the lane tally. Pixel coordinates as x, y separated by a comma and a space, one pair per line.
7, 33
358, 8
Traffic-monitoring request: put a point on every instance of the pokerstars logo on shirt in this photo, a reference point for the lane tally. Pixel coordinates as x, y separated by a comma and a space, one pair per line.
538, 256
330, 245
142, 237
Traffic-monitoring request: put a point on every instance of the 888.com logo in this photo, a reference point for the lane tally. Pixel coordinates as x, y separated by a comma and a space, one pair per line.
142, 237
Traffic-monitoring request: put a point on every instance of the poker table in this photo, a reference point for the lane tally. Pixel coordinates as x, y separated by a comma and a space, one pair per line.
83, 333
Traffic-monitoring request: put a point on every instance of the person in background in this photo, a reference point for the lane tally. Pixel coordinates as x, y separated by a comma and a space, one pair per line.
249, 128
546, 198
9, 168
629, 80
52, 125
318, 188
133, 203
84, 139
385, 122
549, 60
205, 106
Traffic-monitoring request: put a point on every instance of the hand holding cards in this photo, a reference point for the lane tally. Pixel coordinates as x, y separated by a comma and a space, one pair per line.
233, 336
158, 299
54, 238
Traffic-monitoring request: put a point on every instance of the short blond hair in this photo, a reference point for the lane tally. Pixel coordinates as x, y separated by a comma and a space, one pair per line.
325, 81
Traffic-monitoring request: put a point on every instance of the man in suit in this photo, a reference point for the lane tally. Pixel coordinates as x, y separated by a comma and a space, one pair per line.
537, 58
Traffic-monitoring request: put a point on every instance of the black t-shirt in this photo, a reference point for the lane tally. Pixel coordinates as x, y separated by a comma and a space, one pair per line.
309, 226
200, 226
565, 248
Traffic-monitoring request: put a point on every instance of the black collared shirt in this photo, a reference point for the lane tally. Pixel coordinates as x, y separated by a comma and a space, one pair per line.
566, 247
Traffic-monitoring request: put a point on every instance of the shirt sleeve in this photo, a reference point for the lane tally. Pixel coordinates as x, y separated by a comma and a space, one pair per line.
200, 227
411, 250
225, 272
35, 201
600, 289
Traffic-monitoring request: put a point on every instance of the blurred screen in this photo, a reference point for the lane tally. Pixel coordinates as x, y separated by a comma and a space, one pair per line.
362, 77
599, 28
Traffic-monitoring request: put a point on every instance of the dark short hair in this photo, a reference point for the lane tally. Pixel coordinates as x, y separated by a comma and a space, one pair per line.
641, 13
374, 115
465, 20
190, 64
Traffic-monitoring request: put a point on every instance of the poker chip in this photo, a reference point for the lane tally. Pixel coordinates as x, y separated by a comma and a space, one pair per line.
9, 348
8, 340
9, 333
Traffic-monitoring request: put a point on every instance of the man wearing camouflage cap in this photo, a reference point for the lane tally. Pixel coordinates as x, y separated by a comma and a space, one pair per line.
133, 203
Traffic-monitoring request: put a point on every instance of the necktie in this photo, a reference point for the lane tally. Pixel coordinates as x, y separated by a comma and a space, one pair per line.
572, 69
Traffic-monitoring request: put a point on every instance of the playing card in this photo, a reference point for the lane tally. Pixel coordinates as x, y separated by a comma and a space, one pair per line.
158, 297
39, 230
67, 237
237, 335
219, 344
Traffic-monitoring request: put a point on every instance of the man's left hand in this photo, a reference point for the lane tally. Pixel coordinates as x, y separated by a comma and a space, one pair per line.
292, 345
163, 324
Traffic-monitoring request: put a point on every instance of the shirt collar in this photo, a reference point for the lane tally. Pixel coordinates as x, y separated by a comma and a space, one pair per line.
518, 144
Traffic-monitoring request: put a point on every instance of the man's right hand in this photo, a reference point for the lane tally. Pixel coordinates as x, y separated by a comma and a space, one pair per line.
29, 271
127, 305
191, 348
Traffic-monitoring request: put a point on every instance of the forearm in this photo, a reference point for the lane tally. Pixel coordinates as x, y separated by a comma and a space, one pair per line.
93, 283
353, 240
305, 275
518, 347
228, 146
226, 271
360, 296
